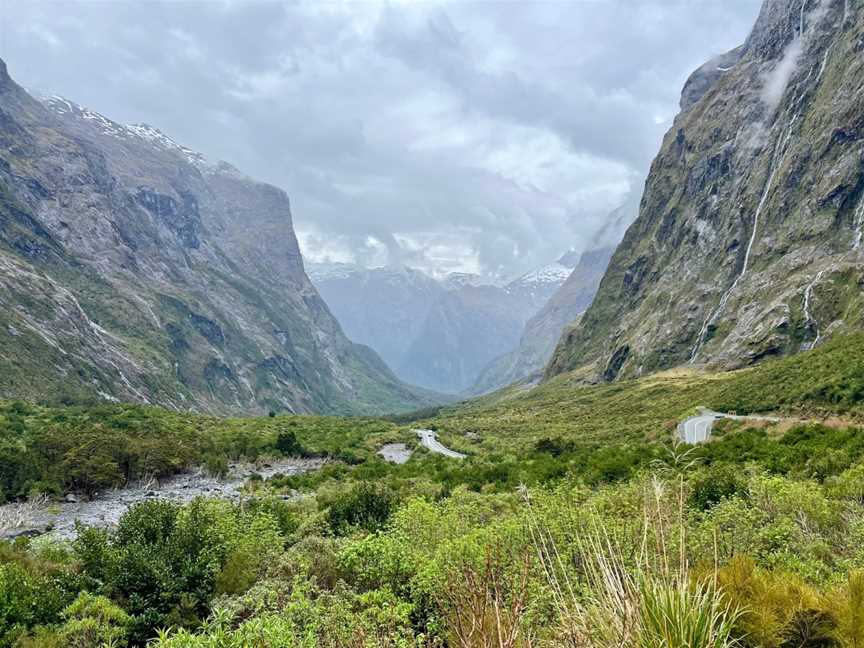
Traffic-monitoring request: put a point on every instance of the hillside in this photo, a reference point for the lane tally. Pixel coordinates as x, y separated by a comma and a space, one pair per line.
748, 241
819, 384
132, 269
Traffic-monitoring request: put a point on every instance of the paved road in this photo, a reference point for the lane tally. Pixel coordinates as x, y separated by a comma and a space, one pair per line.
429, 441
697, 429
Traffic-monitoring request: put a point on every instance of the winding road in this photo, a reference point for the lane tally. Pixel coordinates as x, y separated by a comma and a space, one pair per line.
429, 441
697, 429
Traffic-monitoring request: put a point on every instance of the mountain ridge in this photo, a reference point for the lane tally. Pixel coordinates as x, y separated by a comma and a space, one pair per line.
135, 271
425, 327
746, 245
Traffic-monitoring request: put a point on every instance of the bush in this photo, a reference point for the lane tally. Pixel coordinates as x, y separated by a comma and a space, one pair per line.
287, 444
713, 485
93, 621
365, 506
216, 465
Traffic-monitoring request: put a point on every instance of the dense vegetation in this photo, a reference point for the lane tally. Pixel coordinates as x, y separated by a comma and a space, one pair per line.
575, 521
53, 450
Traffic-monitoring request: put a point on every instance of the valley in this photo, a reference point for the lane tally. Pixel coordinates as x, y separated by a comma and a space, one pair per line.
450, 334
208, 440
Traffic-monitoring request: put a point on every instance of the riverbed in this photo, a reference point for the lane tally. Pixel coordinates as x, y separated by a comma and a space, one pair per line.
105, 509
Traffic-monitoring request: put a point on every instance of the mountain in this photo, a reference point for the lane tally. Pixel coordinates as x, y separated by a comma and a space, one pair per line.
435, 333
132, 269
749, 238
384, 308
543, 330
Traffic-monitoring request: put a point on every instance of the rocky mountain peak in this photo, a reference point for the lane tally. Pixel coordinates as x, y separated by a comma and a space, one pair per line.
701, 80
782, 21
133, 270
144, 132
748, 239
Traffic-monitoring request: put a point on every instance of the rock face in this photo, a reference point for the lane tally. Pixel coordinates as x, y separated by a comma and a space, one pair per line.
749, 239
438, 334
132, 269
542, 332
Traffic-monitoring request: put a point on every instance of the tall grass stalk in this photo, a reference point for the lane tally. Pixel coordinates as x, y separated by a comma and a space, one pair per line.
649, 603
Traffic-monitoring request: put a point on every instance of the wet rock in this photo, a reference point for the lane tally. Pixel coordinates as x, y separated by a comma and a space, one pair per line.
397, 453
70, 498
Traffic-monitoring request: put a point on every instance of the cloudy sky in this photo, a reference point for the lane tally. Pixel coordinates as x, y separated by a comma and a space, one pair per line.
482, 136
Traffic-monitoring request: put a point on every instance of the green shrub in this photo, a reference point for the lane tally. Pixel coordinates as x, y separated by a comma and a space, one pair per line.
365, 506
287, 444
711, 486
92, 620
216, 465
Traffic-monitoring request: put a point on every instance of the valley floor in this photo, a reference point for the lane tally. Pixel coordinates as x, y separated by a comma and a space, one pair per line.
575, 518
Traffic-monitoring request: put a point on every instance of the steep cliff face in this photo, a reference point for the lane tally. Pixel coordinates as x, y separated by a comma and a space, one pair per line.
749, 238
133, 269
542, 332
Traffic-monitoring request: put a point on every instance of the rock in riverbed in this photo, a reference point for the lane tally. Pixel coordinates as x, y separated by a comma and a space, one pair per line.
106, 509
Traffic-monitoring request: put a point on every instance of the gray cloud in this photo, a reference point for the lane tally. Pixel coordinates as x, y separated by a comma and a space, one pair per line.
486, 136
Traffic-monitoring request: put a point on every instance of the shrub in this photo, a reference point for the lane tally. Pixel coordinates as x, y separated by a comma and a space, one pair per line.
93, 621
366, 506
711, 486
216, 465
288, 445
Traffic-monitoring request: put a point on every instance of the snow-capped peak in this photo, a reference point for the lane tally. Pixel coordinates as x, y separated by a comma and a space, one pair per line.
145, 132
327, 271
161, 140
554, 273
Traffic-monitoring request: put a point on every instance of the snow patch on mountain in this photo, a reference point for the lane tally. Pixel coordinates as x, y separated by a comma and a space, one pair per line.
65, 107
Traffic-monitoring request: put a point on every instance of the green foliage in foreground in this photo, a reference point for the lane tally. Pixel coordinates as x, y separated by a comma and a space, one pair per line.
777, 562
575, 521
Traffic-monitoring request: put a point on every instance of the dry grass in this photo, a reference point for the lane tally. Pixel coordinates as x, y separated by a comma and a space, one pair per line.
20, 514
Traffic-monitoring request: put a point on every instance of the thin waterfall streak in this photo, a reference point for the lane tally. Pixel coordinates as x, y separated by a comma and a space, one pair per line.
808, 300
776, 164
858, 223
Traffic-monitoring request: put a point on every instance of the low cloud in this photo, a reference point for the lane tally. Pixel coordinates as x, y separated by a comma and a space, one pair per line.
777, 79
481, 136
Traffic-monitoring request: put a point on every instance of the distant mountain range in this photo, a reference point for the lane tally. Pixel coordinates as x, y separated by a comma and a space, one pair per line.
133, 269
439, 334
542, 332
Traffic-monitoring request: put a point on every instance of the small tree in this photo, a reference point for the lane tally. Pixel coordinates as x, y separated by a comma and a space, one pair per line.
288, 445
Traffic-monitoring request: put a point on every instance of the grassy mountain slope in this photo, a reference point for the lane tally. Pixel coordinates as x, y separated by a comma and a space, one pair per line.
825, 382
